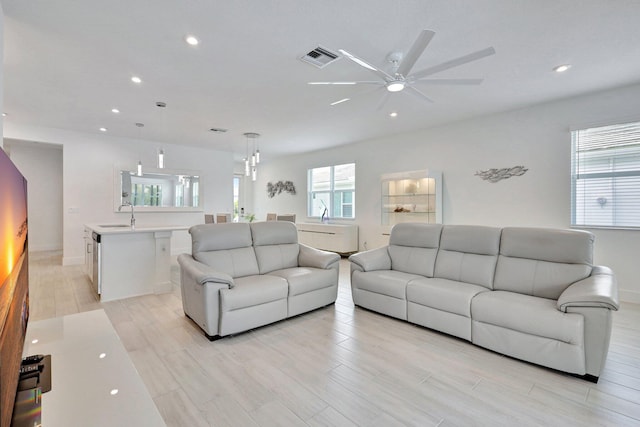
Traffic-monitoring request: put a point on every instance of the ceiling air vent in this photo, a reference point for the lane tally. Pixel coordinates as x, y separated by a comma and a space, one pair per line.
218, 130
320, 57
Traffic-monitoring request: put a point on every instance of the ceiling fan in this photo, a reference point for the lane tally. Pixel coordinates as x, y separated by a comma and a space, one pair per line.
401, 78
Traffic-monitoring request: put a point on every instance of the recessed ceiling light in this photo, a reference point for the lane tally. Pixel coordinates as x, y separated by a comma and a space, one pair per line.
192, 40
4, 114
562, 68
102, 355
393, 114
103, 129
114, 392
136, 79
115, 110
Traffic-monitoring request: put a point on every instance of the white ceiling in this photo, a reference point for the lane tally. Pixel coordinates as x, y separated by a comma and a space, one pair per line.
67, 63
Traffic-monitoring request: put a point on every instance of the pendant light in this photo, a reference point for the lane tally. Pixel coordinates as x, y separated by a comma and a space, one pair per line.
253, 156
162, 105
139, 126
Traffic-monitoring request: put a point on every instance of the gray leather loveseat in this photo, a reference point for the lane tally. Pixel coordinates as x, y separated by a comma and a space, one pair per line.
530, 293
240, 276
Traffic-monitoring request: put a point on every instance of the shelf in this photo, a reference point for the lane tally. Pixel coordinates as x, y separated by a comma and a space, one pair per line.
417, 195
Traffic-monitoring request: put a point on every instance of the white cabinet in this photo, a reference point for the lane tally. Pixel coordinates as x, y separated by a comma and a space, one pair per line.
414, 196
133, 262
338, 238
88, 253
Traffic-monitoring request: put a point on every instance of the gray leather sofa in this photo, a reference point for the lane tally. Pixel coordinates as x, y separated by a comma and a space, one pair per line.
530, 293
240, 276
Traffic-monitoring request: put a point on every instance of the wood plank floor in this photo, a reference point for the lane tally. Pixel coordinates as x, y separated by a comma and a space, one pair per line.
341, 366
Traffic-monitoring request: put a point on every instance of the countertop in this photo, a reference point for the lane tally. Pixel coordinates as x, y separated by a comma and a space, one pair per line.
118, 228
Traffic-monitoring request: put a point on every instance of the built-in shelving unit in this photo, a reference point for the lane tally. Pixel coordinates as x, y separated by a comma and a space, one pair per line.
414, 196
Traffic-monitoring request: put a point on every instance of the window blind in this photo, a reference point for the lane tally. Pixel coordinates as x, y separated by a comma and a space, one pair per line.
605, 178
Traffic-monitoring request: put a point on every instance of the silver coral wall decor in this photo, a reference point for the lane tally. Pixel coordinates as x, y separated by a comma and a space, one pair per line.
495, 175
279, 187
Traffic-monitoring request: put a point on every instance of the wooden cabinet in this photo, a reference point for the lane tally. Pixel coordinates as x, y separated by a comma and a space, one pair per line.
414, 196
338, 238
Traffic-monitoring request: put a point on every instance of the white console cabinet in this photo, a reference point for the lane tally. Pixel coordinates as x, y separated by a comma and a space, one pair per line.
340, 238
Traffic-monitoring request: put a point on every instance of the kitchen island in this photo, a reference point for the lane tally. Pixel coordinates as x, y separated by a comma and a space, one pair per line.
125, 262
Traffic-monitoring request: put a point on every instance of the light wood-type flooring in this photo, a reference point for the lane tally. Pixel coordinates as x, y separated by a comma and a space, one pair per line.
341, 366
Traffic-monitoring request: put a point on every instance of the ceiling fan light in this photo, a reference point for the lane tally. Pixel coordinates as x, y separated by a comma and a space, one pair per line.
395, 86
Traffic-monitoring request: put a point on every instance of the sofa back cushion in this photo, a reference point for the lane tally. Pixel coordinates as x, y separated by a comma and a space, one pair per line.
468, 253
542, 262
413, 247
225, 247
275, 244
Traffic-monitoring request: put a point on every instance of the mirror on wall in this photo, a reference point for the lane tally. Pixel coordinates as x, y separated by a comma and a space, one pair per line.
158, 190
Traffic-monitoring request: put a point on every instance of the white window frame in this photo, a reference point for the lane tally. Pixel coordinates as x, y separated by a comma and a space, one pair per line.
605, 176
330, 194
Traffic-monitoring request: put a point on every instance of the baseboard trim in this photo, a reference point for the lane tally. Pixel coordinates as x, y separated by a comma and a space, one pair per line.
44, 248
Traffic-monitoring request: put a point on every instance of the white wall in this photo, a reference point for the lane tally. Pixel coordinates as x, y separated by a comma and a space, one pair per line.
88, 181
41, 164
537, 137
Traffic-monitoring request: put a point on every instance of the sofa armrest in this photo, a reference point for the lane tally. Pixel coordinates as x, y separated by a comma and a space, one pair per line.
312, 257
374, 259
202, 273
600, 289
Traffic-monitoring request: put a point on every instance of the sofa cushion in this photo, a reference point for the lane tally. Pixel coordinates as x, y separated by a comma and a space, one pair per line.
214, 237
443, 294
224, 247
542, 262
306, 279
253, 290
386, 282
545, 244
413, 247
529, 315
276, 245
468, 253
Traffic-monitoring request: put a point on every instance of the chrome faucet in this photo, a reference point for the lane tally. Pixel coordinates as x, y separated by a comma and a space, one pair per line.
133, 219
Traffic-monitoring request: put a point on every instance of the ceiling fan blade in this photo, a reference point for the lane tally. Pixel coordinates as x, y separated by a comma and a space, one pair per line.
453, 63
365, 64
450, 81
384, 100
331, 83
419, 94
415, 51
376, 82
340, 101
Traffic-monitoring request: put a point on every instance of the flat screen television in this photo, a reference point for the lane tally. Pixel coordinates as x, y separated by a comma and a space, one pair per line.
14, 281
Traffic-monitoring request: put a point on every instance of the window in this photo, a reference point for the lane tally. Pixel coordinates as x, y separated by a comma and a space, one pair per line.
605, 176
332, 188
146, 195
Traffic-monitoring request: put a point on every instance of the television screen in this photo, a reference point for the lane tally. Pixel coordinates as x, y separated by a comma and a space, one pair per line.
14, 281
